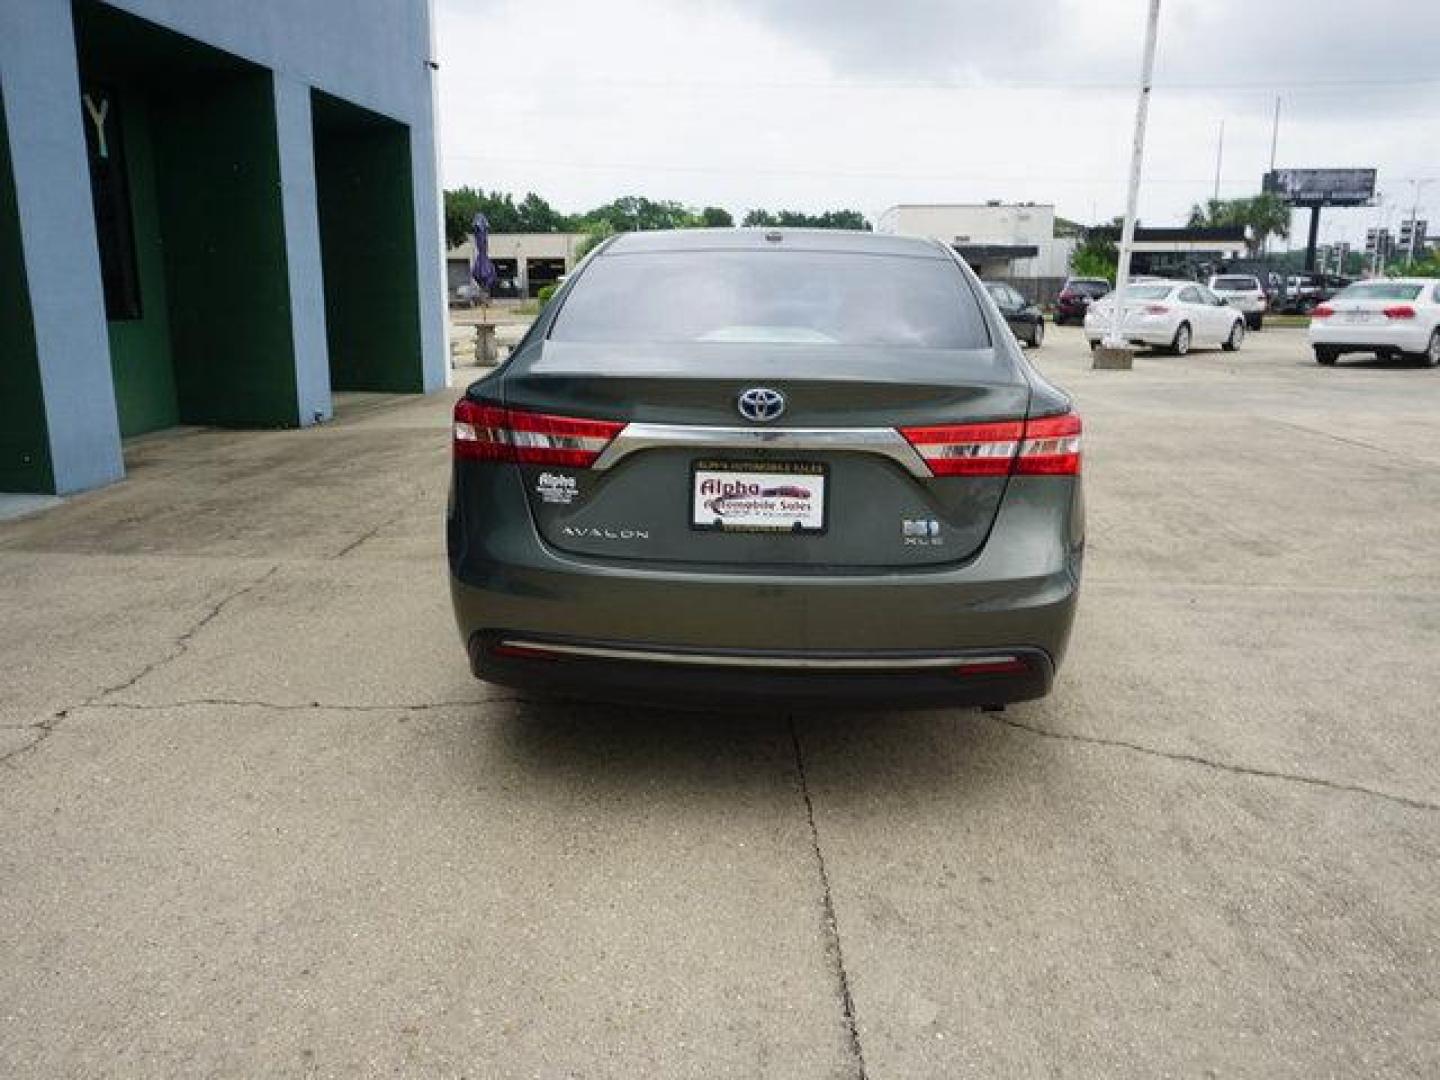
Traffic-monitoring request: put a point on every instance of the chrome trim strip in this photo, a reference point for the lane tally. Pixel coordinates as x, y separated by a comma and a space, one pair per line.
886, 442
858, 663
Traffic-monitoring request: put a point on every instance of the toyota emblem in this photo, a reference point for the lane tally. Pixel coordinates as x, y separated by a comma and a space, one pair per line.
760, 404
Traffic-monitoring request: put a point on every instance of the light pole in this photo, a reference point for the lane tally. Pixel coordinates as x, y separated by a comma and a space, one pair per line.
1219, 157
1415, 216
1114, 342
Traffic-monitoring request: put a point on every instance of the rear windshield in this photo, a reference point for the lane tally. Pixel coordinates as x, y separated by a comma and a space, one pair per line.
1379, 290
1089, 288
1148, 292
1236, 284
772, 297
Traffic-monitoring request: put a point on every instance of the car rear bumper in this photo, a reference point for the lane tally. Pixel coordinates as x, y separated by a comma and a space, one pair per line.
1135, 335
1018, 593
631, 672
1371, 337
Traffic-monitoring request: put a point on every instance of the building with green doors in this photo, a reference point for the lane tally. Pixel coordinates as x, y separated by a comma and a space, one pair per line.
211, 213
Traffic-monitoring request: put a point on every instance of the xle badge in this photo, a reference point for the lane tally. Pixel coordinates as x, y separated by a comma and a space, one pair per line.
921, 532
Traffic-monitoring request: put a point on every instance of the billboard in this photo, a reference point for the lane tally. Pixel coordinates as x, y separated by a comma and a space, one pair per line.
1322, 187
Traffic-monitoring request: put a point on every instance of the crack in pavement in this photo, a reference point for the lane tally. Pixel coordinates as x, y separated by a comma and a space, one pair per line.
178, 648
834, 952
45, 727
1211, 763
371, 533
181, 644
297, 706
1321, 433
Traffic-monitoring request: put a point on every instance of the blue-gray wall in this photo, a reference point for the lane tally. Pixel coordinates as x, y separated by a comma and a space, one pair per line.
373, 53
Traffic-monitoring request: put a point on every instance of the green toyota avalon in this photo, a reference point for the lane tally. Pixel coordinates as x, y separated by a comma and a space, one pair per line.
797, 467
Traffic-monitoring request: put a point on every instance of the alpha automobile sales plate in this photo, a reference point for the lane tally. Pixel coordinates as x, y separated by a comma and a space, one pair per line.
758, 496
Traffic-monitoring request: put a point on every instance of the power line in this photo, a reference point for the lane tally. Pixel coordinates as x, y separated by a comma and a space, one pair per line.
499, 158
506, 159
983, 85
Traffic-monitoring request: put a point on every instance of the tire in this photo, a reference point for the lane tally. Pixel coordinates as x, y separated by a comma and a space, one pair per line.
1237, 336
1255, 322
1431, 356
1037, 335
1181, 345
1325, 356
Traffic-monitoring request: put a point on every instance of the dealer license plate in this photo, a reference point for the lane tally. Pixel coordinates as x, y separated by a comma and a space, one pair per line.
758, 496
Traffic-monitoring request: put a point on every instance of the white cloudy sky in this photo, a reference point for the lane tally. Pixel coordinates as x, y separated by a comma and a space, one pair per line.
814, 104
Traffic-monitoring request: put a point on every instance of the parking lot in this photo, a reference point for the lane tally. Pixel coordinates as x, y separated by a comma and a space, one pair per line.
256, 818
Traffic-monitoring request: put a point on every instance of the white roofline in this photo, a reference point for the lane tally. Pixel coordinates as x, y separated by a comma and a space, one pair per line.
970, 206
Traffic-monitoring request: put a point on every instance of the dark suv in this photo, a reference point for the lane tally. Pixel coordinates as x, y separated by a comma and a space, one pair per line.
1077, 295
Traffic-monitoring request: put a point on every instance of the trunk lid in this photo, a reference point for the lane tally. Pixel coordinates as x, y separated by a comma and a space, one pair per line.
863, 507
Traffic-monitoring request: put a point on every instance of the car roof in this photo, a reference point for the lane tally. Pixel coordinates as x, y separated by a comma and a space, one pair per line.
836, 240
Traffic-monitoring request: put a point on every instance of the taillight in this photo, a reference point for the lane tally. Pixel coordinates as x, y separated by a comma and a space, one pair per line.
967, 449
1047, 446
1051, 447
1400, 311
492, 433
1324, 311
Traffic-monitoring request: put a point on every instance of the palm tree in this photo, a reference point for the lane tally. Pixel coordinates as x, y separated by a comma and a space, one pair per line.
1263, 216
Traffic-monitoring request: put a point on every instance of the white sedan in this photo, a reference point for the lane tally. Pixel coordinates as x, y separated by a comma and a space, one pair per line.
1245, 294
1397, 318
1171, 315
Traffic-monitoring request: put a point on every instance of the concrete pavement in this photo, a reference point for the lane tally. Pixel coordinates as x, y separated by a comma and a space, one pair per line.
257, 819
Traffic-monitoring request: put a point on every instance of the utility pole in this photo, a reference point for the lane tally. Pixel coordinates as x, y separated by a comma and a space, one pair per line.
1219, 157
1114, 343
1275, 133
1415, 216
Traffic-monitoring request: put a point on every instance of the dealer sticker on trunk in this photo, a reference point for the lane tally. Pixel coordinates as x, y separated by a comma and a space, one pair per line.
758, 496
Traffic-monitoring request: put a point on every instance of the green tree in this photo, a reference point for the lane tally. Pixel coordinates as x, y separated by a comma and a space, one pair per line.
1264, 216
635, 212
1427, 265
534, 214
462, 204
594, 234
716, 217
1096, 254
799, 219
531, 214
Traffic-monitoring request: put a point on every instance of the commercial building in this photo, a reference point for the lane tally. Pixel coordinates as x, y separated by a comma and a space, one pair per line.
210, 213
1013, 241
524, 262
1184, 251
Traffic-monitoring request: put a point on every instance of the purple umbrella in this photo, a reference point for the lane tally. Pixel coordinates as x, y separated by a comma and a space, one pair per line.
482, 269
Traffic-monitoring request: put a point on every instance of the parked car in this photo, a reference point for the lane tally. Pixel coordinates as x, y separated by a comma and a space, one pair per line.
768, 467
1304, 291
465, 295
1399, 318
1172, 315
1025, 319
1076, 296
1244, 293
